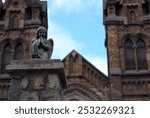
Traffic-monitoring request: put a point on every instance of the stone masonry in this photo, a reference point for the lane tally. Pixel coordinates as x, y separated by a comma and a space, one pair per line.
36, 80
127, 25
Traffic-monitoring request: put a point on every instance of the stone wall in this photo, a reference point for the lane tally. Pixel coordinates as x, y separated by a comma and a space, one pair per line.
85, 81
42, 80
127, 20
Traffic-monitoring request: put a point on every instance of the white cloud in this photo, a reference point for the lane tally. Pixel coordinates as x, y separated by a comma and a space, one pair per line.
63, 41
70, 6
98, 62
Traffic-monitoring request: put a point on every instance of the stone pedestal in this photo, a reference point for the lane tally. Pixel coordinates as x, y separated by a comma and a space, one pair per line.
34, 80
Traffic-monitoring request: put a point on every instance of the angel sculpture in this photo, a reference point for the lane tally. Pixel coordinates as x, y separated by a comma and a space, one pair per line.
41, 47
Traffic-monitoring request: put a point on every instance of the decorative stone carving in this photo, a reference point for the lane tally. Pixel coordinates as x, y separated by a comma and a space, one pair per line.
24, 83
29, 84
14, 89
41, 47
29, 96
52, 89
37, 82
53, 83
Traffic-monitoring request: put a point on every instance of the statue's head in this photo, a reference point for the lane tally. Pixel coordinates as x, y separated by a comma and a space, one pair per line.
41, 32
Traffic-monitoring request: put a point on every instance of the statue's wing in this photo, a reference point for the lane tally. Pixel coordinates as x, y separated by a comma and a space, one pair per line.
51, 44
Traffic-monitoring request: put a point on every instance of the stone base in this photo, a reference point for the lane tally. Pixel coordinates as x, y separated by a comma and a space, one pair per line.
34, 80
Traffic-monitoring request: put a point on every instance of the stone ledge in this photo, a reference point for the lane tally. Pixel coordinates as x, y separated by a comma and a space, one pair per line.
34, 64
115, 71
4, 76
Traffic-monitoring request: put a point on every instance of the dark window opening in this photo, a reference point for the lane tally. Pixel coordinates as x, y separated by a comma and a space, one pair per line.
6, 57
28, 14
145, 8
129, 55
118, 9
141, 55
18, 55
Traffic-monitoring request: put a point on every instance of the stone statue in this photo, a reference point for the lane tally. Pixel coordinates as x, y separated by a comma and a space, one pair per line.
41, 47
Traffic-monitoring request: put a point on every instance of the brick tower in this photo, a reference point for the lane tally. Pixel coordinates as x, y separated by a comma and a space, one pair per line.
19, 20
127, 24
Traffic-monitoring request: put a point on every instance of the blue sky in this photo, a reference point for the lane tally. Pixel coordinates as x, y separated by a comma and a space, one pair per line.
78, 25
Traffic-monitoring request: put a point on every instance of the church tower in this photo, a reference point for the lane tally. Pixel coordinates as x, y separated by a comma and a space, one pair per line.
19, 20
127, 25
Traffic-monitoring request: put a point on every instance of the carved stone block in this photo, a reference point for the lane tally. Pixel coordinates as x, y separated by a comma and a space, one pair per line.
38, 82
24, 83
34, 80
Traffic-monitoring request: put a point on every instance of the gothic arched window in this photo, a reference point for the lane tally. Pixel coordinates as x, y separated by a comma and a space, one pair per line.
18, 55
6, 57
129, 55
141, 55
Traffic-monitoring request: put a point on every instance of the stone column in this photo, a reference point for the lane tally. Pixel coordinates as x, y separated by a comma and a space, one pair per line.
36, 80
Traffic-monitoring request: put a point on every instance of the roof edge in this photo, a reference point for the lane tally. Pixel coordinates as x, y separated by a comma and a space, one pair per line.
93, 66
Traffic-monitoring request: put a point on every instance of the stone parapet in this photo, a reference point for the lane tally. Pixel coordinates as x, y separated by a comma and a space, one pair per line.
36, 80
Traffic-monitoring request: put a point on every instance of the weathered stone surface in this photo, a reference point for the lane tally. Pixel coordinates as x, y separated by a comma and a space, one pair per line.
38, 82
51, 95
15, 89
53, 83
24, 83
53, 89
43, 80
85, 82
35, 64
134, 25
29, 96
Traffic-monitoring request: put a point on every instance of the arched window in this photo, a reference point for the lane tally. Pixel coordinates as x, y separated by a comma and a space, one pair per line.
18, 55
129, 55
141, 55
6, 57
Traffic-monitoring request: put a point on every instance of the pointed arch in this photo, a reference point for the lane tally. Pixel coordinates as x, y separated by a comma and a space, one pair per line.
144, 37
129, 55
141, 54
130, 36
18, 54
78, 92
6, 57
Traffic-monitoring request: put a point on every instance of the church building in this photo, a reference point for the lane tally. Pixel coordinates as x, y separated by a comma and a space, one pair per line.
127, 26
